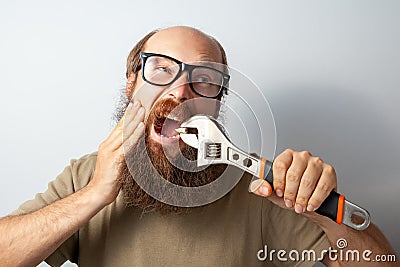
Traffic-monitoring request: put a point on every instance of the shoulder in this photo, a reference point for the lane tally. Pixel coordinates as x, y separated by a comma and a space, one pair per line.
82, 169
75, 176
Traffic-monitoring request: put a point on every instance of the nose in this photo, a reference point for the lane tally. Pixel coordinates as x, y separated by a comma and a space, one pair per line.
180, 89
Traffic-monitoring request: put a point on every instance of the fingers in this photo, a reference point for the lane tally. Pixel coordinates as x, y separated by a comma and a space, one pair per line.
326, 183
293, 177
133, 126
135, 135
132, 120
131, 108
133, 116
280, 167
303, 181
261, 188
119, 127
307, 185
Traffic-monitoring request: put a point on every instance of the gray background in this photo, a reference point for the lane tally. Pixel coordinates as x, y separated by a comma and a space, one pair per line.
330, 70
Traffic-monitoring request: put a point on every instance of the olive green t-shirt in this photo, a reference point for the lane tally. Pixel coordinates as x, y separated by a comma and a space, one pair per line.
228, 232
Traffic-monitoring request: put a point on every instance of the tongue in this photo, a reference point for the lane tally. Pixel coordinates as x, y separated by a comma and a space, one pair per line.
168, 128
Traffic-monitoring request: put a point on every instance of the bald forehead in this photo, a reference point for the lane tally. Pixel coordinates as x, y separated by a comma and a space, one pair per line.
184, 43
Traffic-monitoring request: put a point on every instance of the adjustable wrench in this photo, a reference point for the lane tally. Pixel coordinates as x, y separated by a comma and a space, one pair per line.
213, 147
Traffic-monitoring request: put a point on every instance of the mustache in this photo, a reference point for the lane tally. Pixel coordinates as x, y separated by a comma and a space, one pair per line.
164, 107
169, 108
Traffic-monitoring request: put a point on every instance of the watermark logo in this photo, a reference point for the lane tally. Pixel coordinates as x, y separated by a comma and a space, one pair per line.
341, 243
342, 254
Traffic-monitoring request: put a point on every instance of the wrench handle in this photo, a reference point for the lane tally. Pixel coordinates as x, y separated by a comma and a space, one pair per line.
332, 207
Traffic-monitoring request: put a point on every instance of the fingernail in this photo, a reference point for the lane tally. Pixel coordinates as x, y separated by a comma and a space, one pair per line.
141, 110
279, 193
264, 190
310, 207
255, 185
141, 124
298, 208
288, 203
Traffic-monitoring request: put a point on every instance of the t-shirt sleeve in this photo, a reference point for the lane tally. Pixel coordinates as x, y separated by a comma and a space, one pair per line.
296, 235
74, 177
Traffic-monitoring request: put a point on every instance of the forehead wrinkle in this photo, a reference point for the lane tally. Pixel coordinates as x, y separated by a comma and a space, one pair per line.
208, 52
207, 56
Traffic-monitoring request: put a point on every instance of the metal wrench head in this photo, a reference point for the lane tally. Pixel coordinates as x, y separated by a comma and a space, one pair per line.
210, 140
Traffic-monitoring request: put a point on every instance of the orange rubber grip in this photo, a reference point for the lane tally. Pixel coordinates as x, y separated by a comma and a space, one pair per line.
262, 167
340, 210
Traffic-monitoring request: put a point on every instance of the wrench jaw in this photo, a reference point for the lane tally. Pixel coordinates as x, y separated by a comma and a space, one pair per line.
189, 138
210, 142
214, 146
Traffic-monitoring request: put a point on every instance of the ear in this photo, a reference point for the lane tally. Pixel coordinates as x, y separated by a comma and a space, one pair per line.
130, 84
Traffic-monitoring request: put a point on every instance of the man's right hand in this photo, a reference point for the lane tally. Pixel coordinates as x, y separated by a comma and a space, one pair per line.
111, 151
28, 239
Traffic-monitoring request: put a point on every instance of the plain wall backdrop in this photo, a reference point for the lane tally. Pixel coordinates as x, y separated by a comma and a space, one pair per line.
330, 70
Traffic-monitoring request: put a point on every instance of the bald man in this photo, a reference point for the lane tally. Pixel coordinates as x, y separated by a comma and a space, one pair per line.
95, 214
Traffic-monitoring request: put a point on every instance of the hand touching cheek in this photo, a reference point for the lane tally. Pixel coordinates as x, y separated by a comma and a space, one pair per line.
111, 153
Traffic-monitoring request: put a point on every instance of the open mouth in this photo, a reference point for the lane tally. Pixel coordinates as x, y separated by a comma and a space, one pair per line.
164, 129
166, 116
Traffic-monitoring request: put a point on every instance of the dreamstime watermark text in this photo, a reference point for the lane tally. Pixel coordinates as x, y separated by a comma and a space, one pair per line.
341, 254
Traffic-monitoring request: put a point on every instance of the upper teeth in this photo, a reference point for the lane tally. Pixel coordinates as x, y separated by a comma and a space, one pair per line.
174, 136
173, 118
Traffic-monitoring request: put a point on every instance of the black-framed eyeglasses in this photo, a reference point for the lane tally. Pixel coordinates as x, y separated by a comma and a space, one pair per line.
162, 70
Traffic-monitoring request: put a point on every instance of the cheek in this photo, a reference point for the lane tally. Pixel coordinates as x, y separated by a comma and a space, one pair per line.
147, 95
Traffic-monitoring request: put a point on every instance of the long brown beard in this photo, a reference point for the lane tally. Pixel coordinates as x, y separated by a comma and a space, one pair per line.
147, 160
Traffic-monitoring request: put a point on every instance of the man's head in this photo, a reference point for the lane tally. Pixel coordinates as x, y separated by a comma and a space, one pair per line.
183, 43
186, 46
